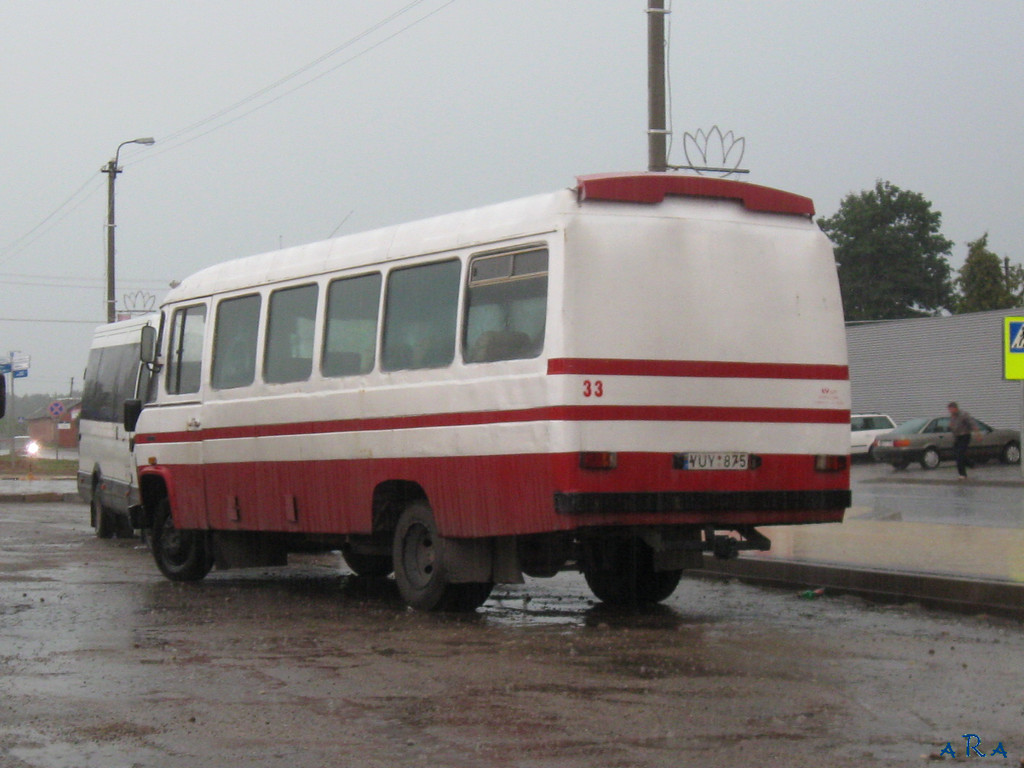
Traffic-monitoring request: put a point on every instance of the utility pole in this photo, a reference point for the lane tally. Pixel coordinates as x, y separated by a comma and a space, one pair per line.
111, 169
657, 122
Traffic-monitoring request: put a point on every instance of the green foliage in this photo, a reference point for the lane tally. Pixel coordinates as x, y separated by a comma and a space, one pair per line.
892, 258
985, 283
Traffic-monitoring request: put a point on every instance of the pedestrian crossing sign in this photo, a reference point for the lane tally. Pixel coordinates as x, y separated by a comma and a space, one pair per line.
1013, 348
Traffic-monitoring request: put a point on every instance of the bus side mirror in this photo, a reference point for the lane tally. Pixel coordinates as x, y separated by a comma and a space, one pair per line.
147, 345
132, 411
3, 395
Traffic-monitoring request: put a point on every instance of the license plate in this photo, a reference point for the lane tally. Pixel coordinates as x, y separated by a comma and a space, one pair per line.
719, 460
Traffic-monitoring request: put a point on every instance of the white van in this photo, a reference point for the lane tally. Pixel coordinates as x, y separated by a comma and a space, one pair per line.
106, 468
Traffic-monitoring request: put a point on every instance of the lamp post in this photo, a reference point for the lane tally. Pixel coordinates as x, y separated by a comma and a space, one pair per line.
112, 170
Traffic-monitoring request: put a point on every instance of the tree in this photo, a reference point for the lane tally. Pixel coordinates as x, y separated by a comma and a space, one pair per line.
984, 283
892, 259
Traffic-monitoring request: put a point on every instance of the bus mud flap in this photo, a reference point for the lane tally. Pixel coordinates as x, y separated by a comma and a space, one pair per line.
491, 560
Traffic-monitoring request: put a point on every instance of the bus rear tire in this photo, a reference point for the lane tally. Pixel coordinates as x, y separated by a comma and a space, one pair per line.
180, 555
420, 573
621, 573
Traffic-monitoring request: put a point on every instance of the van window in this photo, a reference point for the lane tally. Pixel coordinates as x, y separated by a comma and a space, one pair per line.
110, 379
289, 352
420, 316
350, 332
506, 306
234, 342
185, 361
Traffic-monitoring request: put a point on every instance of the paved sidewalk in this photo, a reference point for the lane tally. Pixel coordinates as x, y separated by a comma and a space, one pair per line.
22, 489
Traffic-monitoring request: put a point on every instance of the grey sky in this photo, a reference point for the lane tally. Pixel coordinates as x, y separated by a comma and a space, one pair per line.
485, 100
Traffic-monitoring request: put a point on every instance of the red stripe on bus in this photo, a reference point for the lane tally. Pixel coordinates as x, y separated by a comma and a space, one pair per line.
597, 366
668, 413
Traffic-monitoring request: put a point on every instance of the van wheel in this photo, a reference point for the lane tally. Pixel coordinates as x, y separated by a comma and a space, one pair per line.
419, 560
101, 519
368, 565
621, 573
930, 458
180, 555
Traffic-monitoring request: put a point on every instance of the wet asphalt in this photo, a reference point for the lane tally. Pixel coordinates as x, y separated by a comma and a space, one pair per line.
104, 663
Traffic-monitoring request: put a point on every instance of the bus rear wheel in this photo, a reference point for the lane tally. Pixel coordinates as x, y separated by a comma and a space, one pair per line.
621, 572
420, 572
180, 555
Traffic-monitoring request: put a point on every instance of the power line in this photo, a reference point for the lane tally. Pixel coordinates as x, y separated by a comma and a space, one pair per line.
170, 142
49, 320
19, 244
167, 144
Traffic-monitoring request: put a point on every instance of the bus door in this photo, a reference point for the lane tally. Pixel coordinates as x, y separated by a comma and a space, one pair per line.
180, 415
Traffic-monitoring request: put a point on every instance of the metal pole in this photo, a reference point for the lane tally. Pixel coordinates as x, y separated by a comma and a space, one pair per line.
14, 421
657, 123
111, 170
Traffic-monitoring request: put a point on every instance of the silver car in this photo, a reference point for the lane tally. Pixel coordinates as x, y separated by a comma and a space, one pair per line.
929, 441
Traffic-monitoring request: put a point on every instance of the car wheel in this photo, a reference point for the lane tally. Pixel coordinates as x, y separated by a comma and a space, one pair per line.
1010, 454
930, 458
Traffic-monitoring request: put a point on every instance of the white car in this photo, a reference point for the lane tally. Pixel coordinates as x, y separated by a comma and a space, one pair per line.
864, 428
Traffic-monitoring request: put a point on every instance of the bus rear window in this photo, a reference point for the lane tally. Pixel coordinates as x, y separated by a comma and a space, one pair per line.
506, 306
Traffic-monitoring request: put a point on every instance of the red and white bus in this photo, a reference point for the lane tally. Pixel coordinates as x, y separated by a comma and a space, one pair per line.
621, 375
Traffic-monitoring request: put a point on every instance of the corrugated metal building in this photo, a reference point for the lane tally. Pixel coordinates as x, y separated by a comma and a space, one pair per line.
910, 368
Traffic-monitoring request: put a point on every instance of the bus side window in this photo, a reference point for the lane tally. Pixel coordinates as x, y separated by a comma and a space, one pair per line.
350, 330
234, 342
420, 316
289, 349
185, 358
506, 306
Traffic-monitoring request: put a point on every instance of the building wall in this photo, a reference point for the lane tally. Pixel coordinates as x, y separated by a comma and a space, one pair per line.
910, 368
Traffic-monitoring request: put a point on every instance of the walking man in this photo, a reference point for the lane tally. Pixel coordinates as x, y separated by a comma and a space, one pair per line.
961, 425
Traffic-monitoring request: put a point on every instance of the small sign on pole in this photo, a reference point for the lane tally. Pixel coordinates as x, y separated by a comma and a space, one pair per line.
1013, 348
1013, 359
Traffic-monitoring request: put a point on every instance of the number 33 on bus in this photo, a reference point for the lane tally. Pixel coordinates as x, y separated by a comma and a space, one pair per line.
620, 376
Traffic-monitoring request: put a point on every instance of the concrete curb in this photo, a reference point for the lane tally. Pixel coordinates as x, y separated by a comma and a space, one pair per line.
972, 596
50, 498
972, 480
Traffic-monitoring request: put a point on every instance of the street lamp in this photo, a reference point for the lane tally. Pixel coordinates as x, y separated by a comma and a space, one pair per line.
112, 170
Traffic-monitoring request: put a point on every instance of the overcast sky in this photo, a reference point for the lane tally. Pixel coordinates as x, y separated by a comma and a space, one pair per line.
477, 102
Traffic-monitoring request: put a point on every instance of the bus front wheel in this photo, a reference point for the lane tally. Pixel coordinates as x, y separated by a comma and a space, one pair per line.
621, 572
180, 555
420, 571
